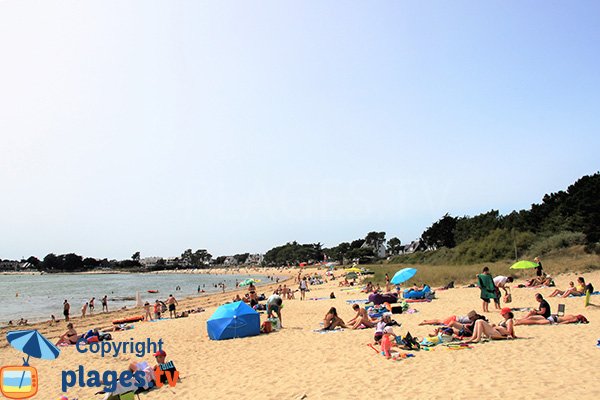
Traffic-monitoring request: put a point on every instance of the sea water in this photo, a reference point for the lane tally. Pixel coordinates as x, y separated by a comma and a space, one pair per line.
37, 297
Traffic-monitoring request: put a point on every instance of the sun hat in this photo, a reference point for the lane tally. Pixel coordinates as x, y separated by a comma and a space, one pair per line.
505, 310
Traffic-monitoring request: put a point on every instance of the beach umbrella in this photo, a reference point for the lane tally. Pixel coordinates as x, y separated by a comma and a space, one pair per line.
524, 265
247, 282
403, 275
233, 320
353, 269
34, 344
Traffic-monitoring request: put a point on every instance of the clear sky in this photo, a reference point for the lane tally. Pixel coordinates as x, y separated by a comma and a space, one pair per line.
237, 126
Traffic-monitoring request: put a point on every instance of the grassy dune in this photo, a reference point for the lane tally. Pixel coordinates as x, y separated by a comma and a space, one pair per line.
565, 261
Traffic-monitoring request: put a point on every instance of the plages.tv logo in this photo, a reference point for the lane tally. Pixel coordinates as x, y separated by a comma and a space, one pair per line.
138, 375
21, 382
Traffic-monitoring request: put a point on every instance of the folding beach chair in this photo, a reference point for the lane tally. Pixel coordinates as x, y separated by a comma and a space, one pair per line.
561, 310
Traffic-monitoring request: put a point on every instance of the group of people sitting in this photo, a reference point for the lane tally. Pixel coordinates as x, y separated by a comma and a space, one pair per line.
573, 290
541, 277
19, 322
473, 327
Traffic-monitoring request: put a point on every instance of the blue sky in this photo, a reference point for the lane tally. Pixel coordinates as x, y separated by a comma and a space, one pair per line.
157, 126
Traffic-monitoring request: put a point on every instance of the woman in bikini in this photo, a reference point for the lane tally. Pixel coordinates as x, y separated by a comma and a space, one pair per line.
331, 320
561, 292
578, 290
70, 336
504, 330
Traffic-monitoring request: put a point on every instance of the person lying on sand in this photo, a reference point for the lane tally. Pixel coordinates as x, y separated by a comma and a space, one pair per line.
361, 318
332, 320
462, 319
504, 330
565, 319
462, 330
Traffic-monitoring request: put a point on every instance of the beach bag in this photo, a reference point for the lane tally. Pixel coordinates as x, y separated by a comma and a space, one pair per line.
275, 324
508, 298
105, 336
410, 342
266, 327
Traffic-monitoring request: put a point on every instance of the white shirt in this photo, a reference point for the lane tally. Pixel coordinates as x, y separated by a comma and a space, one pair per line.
500, 280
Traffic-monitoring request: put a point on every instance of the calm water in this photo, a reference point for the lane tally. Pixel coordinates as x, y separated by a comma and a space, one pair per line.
40, 296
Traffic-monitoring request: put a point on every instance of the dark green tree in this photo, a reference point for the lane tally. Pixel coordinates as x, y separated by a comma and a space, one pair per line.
441, 233
394, 245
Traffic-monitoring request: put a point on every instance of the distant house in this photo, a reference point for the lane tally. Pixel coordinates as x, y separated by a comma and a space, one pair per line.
379, 252
149, 261
229, 261
255, 259
9, 265
415, 245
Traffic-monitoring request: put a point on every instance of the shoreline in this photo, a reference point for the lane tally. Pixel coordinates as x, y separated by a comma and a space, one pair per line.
104, 319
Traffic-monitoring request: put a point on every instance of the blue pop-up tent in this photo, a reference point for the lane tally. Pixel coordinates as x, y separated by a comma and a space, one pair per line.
234, 320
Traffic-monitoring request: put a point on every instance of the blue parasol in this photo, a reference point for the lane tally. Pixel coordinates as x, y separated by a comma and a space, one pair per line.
403, 275
34, 344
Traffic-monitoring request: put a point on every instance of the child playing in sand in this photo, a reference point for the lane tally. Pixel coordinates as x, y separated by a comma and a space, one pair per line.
386, 341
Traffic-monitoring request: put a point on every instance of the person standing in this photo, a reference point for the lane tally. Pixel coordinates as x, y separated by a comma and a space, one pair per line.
66, 310
92, 305
84, 309
157, 308
488, 290
303, 288
148, 316
172, 303
387, 283
105, 303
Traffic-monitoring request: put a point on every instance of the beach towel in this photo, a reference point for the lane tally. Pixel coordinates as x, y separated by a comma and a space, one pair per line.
328, 330
418, 300
319, 298
359, 301
486, 285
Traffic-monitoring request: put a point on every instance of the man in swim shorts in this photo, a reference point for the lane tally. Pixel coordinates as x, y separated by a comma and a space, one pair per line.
274, 303
66, 309
171, 303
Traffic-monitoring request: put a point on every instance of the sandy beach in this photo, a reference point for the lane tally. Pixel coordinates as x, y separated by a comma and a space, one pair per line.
297, 362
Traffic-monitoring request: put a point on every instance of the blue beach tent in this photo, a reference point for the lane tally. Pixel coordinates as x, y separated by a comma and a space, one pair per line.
234, 320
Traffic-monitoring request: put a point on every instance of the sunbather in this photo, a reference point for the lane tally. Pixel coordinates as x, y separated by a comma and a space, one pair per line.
504, 330
332, 320
463, 319
565, 319
69, 337
561, 292
361, 318
461, 329
578, 290
543, 312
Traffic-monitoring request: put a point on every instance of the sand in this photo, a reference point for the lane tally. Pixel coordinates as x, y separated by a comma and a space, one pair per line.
295, 362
